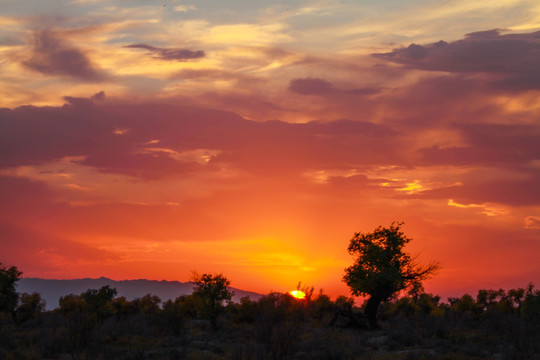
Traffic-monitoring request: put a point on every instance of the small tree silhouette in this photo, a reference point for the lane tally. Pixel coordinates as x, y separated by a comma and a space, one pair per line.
382, 269
212, 290
8, 294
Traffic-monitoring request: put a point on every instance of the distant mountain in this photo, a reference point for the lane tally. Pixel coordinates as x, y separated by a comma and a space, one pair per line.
51, 290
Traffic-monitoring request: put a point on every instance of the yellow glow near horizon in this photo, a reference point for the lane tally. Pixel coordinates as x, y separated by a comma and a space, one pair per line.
298, 294
411, 188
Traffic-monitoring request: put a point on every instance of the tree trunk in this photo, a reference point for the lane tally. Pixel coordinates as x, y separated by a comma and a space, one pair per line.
372, 307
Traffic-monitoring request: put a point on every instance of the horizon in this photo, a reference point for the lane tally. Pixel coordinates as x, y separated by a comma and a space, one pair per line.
444, 298
357, 299
144, 140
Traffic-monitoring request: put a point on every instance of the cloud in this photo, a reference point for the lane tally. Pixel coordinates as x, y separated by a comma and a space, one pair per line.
99, 96
311, 86
515, 192
486, 209
318, 86
170, 54
34, 135
184, 8
489, 144
532, 222
511, 59
152, 141
52, 56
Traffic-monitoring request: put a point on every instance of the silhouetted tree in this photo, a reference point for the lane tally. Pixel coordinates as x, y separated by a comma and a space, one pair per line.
8, 294
99, 301
31, 305
83, 314
531, 304
174, 314
381, 268
212, 290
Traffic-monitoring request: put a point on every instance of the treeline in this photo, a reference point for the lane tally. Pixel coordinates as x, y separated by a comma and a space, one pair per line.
98, 324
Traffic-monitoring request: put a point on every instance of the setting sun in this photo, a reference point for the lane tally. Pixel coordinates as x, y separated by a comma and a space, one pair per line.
298, 294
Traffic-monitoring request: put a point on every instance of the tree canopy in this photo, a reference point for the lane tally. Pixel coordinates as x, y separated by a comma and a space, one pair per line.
212, 290
381, 268
8, 294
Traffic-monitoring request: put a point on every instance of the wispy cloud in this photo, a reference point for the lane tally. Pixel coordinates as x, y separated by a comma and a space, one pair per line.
532, 222
170, 54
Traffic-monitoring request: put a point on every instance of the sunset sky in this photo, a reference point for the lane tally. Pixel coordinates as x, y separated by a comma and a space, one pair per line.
148, 139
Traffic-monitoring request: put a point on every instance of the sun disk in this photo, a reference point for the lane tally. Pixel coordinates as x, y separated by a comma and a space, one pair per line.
298, 294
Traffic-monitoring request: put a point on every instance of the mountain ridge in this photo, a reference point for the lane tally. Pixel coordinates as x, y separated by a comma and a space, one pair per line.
52, 289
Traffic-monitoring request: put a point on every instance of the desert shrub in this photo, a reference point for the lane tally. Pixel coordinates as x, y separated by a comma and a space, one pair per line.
244, 312
322, 308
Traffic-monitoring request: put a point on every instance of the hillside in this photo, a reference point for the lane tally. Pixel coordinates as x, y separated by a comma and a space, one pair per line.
51, 290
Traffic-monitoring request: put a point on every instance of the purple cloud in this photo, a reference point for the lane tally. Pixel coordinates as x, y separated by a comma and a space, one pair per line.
512, 59
170, 54
34, 135
318, 86
489, 144
51, 56
147, 140
311, 86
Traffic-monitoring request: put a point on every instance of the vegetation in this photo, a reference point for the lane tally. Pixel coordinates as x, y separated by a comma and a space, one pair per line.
94, 325
382, 269
212, 291
414, 325
8, 295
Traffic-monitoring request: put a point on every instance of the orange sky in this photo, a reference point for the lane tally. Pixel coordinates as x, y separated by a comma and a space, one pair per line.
151, 139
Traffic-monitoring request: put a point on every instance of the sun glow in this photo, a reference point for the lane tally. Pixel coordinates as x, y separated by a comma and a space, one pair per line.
298, 294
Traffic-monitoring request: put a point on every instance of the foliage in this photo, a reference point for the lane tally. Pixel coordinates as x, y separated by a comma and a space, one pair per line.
8, 294
30, 307
212, 290
95, 324
277, 326
381, 268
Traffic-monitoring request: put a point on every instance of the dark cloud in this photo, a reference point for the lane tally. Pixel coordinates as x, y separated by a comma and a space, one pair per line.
318, 86
311, 86
147, 141
170, 54
99, 96
52, 56
512, 59
33, 135
489, 144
